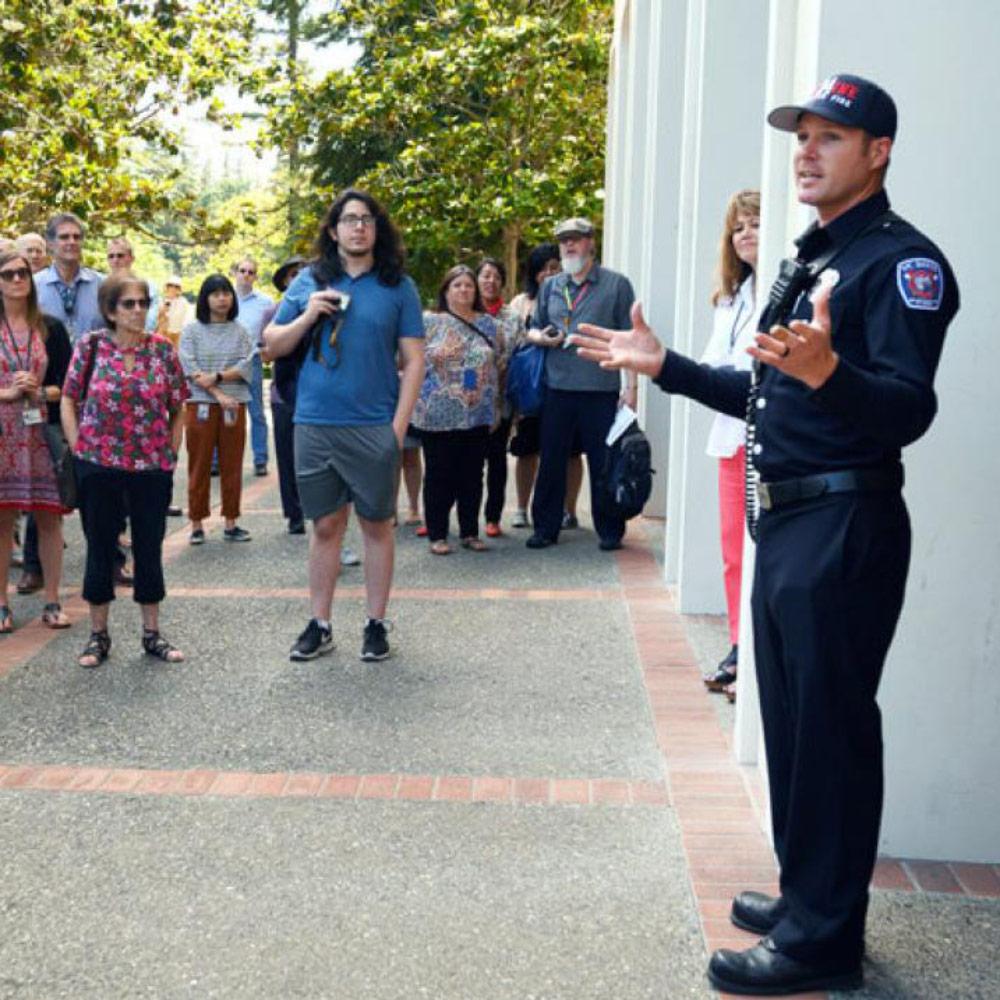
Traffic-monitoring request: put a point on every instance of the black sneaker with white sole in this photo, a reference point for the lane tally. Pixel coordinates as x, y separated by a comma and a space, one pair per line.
376, 645
314, 641
236, 534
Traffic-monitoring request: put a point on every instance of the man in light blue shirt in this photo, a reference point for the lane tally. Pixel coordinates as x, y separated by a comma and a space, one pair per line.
254, 308
67, 291
121, 259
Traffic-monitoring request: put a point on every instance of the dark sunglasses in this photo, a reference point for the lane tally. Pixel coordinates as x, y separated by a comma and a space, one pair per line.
133, 303
116, 256
15, 274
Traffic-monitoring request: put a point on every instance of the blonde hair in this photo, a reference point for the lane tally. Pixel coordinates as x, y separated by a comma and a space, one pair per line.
732, 271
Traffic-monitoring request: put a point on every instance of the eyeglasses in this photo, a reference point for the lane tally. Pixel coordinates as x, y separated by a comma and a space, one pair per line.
246, 270
116, 256
16, 274
131, 304
351, 220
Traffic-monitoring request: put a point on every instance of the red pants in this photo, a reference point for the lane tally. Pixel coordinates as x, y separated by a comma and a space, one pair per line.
732, 512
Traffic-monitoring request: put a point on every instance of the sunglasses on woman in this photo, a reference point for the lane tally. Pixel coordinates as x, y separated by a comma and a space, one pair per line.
16, 274
133, 304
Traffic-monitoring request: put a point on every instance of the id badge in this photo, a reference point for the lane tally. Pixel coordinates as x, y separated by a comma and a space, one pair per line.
202, 412
32, 415
229, 417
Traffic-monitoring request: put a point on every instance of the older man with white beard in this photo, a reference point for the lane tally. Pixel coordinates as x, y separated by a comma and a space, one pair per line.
581, 400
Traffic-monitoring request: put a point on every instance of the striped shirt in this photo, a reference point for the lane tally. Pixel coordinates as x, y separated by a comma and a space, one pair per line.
214, 347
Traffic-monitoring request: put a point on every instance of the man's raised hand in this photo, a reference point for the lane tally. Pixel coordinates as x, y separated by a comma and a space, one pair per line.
802, 350
637, 349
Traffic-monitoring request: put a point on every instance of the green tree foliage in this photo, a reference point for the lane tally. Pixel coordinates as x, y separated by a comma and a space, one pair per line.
89, 90
478, 122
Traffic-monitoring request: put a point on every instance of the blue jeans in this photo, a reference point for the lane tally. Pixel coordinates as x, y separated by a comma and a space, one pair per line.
258, 424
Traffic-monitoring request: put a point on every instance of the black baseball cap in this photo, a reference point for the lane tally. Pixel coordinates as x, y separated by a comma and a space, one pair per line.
847, 100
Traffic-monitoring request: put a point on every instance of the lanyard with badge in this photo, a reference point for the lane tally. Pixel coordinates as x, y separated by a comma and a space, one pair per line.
32, 412
571, 304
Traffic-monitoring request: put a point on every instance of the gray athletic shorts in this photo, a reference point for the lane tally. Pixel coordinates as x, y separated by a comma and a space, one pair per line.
335, 466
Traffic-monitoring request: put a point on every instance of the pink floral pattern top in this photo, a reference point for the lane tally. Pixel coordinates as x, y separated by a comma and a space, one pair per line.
125, 419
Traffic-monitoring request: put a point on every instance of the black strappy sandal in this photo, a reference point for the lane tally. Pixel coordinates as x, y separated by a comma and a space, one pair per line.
97, 649
154, 644
6, 620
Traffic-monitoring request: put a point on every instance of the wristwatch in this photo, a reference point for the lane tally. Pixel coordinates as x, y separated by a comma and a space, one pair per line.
218, 378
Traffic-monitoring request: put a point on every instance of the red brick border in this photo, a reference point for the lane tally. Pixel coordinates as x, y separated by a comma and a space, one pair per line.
265, 785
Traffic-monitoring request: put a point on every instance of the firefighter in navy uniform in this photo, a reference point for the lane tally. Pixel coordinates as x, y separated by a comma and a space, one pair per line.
844, 385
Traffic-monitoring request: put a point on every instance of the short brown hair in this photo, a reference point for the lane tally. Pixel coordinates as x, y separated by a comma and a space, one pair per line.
111, 291
732, 271
456, 272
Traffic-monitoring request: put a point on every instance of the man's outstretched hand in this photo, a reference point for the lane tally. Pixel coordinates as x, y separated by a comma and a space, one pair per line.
637, 349
802, 350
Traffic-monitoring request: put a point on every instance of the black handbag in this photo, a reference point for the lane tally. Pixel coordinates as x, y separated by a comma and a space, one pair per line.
62, 463
59, 449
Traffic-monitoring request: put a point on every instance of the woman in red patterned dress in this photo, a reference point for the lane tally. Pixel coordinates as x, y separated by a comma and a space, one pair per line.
27, 477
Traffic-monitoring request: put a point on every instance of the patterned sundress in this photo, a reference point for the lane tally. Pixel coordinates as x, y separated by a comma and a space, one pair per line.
27, 478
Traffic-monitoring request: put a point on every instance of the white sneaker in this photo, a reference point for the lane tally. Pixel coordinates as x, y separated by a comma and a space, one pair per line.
520, 519
348, 557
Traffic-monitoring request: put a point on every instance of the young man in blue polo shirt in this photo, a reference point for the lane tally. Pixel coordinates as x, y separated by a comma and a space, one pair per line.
357, 310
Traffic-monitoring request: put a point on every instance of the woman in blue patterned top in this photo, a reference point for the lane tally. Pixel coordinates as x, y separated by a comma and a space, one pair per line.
459, 403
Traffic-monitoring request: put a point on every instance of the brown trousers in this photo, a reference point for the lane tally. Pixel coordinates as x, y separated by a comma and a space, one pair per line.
204, 437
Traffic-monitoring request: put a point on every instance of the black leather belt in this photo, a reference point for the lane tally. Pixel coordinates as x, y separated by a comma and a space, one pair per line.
772, 495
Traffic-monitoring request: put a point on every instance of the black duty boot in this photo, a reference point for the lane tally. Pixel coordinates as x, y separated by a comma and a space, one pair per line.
757, 912
765, 971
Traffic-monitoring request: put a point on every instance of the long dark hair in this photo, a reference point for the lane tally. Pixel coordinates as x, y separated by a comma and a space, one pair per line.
215, 283
456, 272
34, 313
388, 252
537, 259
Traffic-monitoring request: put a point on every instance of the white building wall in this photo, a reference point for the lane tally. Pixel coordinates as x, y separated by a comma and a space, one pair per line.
941, 690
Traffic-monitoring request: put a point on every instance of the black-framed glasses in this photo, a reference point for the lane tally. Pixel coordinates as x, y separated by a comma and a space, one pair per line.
351, 220
16, 274
131, 304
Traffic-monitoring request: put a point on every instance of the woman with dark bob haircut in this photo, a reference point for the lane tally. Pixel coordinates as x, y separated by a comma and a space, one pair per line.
121, 411
215, 283
217, 354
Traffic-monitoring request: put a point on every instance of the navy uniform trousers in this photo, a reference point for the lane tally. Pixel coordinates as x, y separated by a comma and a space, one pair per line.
828, 589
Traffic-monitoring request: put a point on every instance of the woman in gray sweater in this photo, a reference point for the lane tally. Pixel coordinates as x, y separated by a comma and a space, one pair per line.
216, 354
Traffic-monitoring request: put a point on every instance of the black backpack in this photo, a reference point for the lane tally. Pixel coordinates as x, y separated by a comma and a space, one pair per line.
627, 480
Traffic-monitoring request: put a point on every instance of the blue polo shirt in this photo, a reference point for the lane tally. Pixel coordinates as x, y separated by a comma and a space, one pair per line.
53, 294
358, 383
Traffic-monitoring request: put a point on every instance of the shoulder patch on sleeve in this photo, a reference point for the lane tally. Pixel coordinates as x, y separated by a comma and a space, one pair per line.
920, 282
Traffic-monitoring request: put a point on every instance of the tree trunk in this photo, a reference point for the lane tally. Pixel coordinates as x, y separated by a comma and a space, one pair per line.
293, 11
511, 245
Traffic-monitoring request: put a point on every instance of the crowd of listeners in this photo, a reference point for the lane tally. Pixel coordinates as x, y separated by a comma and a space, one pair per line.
127, 375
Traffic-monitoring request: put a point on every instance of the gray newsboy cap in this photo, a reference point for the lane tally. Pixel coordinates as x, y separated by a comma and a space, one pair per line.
574, 227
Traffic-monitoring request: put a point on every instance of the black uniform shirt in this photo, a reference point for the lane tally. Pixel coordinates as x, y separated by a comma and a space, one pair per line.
889, 312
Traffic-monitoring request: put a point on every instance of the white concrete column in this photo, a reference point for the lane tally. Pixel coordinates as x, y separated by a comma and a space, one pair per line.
721, 153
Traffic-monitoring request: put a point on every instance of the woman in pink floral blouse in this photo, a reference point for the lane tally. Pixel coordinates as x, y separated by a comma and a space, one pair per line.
122, 414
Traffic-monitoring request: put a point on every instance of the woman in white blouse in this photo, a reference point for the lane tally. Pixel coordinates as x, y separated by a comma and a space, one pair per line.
735, 322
